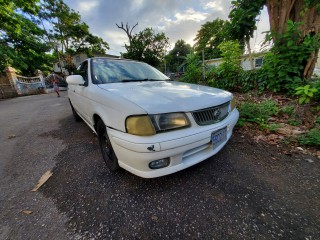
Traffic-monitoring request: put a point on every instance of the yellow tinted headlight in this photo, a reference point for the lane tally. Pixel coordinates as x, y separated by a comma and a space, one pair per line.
232, 104
140, 125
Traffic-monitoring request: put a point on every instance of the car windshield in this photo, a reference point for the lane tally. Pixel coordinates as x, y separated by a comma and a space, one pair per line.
112, 71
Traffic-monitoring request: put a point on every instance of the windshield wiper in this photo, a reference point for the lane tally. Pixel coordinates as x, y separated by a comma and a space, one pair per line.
143, 80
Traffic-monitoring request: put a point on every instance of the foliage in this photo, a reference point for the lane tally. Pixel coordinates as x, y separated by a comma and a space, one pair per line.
257, 112
248, 80
283, 66
227, 73
178, 55
273, 127
243, 19
289, 110
193, 69
25, 43
305, 93
147, 46
22, 41
316, 84
312, 138
70, 35
209, 37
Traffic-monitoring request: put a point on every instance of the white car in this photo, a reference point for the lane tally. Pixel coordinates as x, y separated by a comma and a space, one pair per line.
146, 123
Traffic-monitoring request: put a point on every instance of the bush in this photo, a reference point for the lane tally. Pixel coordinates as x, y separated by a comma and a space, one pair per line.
282, 69
193, 72
248, 80
316, 84
312, 138
288, 110
257, 112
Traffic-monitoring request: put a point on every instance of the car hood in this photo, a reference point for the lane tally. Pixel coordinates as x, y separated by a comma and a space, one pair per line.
168, 96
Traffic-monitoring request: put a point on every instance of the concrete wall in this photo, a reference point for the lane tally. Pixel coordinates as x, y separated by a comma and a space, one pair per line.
6, 89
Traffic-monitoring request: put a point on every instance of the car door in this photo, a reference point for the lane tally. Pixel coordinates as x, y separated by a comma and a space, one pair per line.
81, 92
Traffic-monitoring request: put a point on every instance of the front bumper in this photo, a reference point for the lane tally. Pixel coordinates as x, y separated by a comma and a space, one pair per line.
184, 147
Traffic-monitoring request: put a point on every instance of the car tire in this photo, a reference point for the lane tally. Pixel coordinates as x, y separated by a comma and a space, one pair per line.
106, 148
76, 116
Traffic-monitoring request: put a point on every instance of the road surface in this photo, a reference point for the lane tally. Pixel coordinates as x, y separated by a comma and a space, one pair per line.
247, 191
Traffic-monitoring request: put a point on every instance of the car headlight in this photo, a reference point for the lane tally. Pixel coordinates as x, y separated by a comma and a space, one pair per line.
169, 121
232, 104
147, 125
140, 125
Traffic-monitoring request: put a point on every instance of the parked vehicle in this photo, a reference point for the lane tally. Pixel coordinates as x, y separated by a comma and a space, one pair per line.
146, 123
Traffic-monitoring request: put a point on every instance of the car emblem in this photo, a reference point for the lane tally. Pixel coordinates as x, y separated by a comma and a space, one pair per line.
216, 114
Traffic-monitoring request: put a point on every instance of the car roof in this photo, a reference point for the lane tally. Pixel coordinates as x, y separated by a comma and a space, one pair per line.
116, 59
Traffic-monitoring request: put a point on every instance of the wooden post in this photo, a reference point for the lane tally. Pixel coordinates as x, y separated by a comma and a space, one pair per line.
203, 67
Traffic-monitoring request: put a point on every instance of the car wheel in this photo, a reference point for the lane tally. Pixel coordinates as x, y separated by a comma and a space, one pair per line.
76, 116
107, 151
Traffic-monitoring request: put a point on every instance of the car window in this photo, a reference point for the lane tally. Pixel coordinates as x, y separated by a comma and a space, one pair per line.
110, 71
83, 70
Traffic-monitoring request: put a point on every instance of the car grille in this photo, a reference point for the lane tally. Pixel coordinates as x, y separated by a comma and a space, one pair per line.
211, 115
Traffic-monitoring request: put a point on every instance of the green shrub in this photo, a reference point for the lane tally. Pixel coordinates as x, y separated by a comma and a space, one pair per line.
312, 138
288, 110
305, 93
248, 80
293, 122
316, 84
258, 112
273, 127
227, 73
193, 72
282, 69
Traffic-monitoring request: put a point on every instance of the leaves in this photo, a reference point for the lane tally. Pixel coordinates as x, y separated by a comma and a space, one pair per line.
305, 93
210, 35
178, 55
147, 46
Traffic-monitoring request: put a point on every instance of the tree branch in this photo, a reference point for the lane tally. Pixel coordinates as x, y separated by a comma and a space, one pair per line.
127, 30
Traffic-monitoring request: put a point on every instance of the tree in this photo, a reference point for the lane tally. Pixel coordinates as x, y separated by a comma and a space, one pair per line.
243, 22
306, 12
128, 30
70, 35
178, 55
210, 35
147, 46
281, 12
22, 42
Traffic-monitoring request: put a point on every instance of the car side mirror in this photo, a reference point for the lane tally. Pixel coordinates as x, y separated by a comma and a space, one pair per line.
76, 80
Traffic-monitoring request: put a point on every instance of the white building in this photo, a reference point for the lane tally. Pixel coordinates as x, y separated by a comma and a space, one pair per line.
245, 61
257, 60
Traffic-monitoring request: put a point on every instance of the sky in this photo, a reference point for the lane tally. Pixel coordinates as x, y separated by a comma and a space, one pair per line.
178, 19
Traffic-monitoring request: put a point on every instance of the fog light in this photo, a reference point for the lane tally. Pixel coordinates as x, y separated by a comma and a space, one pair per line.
161, 163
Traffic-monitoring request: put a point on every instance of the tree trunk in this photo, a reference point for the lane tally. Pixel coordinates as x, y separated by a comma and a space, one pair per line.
250, 54
280, 11
309, 68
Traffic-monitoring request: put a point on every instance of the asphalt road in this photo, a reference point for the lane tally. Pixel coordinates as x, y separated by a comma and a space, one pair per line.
247, 191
